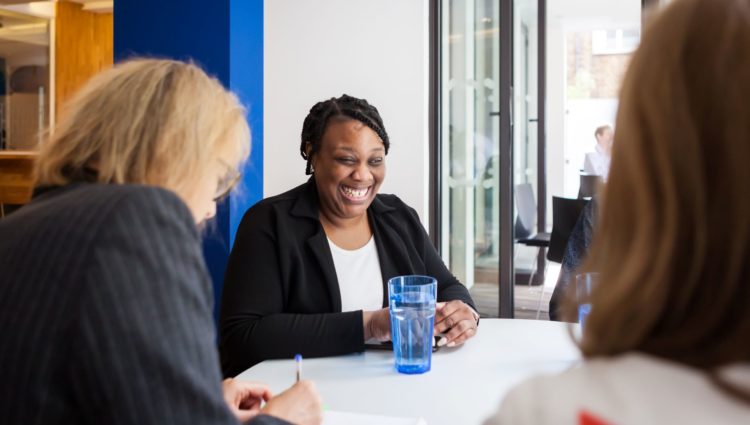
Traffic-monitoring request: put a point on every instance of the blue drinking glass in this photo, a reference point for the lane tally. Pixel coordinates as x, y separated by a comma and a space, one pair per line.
411, 300
585, 282
583, 312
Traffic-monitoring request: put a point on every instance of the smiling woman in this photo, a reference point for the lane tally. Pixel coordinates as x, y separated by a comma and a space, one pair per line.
309, 267
350, 168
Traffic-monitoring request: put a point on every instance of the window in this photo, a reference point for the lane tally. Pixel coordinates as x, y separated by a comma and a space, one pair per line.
614, 41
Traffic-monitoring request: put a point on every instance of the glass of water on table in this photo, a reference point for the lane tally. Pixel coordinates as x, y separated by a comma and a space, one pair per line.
411, 300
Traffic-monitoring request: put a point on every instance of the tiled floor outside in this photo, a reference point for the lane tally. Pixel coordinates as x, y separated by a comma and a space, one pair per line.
528, 299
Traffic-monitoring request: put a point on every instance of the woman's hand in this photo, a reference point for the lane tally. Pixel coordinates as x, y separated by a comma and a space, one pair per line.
456, 320
299, 405
244, 398
377, 324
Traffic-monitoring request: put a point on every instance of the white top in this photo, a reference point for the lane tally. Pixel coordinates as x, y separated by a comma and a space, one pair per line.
360, 280
629, 389
597, 163
463, 387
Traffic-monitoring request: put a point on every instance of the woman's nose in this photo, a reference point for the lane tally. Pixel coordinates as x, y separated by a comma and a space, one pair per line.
361, 172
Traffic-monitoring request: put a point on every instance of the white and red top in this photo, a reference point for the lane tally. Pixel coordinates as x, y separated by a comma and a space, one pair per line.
629, 389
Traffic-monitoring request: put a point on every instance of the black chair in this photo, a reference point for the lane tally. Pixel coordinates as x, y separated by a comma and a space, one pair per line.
565, 213
525, 221
589, 185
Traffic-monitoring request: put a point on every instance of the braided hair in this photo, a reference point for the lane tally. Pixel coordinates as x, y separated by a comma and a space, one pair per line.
346, 106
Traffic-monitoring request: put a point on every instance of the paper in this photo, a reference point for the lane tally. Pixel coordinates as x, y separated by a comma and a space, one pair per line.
332, 417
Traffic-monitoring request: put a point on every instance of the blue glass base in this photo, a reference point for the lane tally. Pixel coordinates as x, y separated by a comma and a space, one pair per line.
412, 369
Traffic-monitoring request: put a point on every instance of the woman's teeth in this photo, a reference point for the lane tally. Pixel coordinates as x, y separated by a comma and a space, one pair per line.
354, 193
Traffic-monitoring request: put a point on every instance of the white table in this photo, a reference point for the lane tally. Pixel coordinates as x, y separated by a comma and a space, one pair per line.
464, 386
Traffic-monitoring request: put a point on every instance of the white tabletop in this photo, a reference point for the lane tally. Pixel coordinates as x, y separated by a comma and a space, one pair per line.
464, 386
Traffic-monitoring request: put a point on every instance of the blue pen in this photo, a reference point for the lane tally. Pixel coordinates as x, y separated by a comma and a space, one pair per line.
298, 359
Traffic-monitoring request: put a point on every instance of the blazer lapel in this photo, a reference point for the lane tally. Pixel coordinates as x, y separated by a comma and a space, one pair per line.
318, 244
307, 206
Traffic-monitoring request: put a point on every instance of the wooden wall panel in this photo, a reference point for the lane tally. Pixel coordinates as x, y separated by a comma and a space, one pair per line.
83, 47
16, 176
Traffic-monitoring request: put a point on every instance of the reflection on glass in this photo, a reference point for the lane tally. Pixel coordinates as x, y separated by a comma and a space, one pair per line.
470, 207
24, 80
525, 148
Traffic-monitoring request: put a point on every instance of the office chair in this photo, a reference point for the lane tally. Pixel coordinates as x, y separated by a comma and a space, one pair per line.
565, 213
525, 221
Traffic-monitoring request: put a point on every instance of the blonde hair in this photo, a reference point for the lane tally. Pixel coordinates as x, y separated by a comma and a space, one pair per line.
672, 245
146, 121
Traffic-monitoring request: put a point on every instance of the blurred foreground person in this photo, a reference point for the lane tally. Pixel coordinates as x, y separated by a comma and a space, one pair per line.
105, 301
668, 337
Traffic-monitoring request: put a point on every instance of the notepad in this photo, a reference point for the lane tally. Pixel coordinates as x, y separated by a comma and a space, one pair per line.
332, 417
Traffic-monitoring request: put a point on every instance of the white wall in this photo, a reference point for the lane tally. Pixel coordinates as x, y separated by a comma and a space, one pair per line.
377, 50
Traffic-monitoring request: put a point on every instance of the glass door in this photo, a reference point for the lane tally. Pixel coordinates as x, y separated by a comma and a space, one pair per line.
528, 258
524, 84
489, 110
470, 48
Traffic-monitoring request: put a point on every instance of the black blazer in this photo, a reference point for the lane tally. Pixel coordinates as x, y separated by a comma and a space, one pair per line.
281, 294
105, 312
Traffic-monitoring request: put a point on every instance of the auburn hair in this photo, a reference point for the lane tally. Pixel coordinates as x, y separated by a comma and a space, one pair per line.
672, 243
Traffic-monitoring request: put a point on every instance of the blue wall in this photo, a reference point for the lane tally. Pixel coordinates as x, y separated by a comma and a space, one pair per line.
180, 29
246, 79
225, 38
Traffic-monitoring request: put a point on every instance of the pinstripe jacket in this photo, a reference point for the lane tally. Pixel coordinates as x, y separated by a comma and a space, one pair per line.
105, 312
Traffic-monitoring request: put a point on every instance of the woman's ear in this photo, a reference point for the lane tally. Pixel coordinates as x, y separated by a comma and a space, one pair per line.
310, 159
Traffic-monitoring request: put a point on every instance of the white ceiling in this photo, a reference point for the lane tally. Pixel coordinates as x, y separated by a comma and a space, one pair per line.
26, 22
76, 1
24, 32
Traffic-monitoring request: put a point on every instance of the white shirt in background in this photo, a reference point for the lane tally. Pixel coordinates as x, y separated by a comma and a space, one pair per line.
629, 389
597, 163
360, 280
